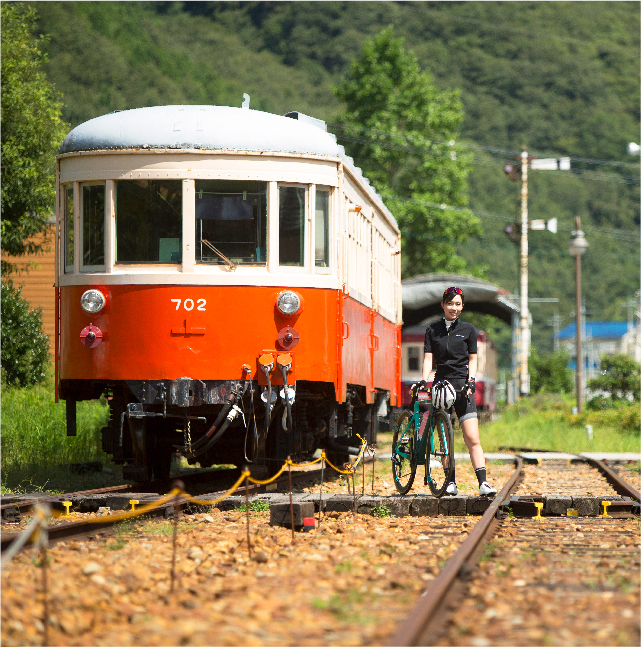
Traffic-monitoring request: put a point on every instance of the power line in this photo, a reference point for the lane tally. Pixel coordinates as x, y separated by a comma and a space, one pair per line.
418, 142
625, 235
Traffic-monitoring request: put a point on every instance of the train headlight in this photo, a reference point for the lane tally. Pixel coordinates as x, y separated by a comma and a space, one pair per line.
92, 301
289, 303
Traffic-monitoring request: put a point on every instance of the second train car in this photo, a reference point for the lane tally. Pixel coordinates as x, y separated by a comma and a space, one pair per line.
230, 281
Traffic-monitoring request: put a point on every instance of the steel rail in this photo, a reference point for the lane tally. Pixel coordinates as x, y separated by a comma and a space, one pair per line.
24, 505
82, 528
412, 630
620, 485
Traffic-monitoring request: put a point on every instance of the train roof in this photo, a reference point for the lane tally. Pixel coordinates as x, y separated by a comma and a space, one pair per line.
183, 127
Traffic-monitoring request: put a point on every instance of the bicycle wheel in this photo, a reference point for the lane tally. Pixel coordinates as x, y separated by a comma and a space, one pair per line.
404, 452
439, 458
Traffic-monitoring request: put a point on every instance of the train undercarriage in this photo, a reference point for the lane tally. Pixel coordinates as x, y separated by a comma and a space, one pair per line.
226, 422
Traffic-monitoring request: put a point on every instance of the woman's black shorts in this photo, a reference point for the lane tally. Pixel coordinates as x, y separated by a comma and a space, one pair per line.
465, 407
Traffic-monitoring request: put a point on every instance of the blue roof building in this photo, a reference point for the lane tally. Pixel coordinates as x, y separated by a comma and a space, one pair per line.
601, 338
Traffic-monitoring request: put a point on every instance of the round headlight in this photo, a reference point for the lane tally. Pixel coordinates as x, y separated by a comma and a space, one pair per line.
92, 301
288, 303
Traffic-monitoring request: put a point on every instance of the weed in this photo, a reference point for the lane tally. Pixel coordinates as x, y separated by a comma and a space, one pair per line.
344, 567
382, 511
254, 506
116, 545
488, 551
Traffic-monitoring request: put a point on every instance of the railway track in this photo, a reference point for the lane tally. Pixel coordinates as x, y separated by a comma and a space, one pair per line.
444, 613
357, 579
91, 500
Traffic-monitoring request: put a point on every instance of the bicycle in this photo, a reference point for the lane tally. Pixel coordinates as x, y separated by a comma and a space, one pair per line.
434, 448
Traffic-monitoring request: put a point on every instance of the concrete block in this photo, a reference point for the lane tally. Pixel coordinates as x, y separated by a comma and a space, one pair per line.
399, 506
587, 506
367, 503
557, 505
319, 501
231, 503
478, 504
280, 514
340, 503
523, 506
424, 506
455, 506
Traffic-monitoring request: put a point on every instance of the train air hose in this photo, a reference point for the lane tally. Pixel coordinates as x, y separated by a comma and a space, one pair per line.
288, 404
227, 413
268, 402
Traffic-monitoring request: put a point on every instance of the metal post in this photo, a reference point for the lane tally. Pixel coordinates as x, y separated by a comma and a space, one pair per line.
525, 323
577, 246
579, 347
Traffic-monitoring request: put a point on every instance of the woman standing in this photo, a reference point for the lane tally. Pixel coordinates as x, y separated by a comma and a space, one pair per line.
450, 348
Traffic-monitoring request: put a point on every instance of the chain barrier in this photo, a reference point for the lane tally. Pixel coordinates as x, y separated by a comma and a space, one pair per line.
37, 529
36, 526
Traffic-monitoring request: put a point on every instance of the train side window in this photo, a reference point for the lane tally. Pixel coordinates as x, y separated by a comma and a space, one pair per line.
321, 231
149, 221
291, 226
68, 220
93, 226
413, 358
231, 221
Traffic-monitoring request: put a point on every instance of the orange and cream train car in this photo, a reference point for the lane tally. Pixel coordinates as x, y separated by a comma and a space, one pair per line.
230, 281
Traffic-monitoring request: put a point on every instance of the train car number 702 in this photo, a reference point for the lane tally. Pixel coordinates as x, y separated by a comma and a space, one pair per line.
188, 304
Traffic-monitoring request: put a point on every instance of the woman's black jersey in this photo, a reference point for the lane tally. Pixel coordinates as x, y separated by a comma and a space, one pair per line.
451, 349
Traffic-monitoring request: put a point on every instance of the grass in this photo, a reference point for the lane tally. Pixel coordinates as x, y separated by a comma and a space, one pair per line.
547, 422
36, 452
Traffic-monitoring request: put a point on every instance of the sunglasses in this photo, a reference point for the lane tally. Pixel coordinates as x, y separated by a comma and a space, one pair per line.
453, 291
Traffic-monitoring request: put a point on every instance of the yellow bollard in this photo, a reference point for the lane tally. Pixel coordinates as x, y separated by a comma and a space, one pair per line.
67, 505
134, 503
605, 505
539, 507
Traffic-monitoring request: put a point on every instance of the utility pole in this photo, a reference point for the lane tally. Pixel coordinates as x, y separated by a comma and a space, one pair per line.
578, 246
525, 314
513, 171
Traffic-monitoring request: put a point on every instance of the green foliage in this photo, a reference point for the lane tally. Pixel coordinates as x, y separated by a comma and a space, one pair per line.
34, 440
559, 77
545, 421
381, 511
402, 132
32, 130
255, 506
620, 378
550, 373
25, 346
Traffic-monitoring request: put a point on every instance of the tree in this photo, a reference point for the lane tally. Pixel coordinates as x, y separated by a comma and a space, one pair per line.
402, 132
550, 373
32, 131
620, 377
25, 346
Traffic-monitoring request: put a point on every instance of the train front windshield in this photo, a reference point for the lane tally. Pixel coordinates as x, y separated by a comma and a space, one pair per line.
231, 222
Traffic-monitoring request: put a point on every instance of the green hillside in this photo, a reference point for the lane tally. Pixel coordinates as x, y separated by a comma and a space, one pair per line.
561, 78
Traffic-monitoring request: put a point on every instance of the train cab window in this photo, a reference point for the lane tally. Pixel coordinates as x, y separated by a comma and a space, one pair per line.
413, 358
291, 226
149, 221
321, 228
67, 197
93, 226
231, 222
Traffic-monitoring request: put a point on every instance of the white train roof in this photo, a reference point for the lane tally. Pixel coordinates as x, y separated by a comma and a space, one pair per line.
212, 128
